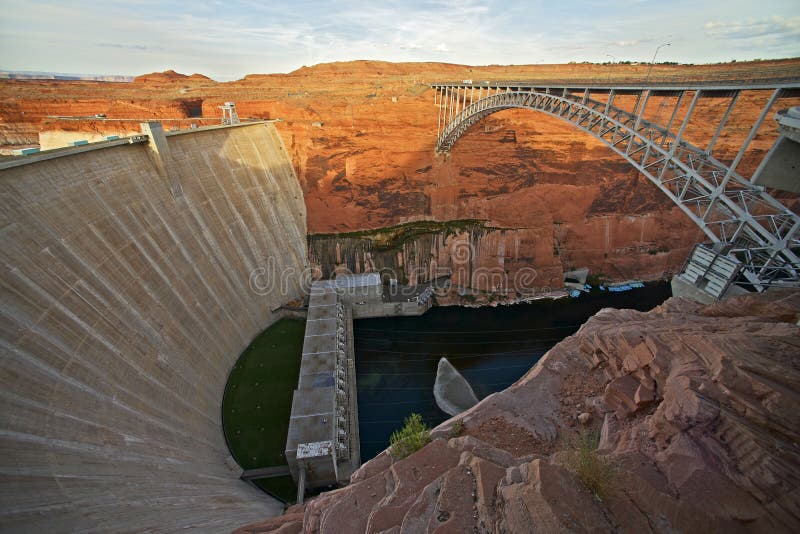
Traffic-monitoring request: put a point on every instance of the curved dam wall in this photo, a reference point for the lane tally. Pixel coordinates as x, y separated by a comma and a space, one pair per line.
125, 303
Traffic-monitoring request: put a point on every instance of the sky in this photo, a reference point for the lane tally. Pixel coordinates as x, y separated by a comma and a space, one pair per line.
229, 39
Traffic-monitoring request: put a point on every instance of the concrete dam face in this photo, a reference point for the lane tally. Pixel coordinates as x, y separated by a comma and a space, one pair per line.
126, 300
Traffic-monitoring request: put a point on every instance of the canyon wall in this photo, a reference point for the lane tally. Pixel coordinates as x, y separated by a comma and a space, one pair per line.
508, 262
517, 170
511, 262
126, 300
361, 137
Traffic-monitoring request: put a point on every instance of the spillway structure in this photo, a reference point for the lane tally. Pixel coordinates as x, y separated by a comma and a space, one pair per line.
322, 445
135, 271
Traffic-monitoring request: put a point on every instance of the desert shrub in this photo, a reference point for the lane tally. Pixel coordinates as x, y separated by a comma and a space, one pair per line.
595, 472
596, 279
412, 437
457, 429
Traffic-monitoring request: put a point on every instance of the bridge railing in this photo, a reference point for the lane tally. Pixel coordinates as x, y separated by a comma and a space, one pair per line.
773, 77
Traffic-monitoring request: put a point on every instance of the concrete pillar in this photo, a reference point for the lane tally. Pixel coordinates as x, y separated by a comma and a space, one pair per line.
160, 154
301, 482
780, 168
158, 143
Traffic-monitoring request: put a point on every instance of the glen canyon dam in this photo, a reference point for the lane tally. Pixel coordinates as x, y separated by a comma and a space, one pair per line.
368, 296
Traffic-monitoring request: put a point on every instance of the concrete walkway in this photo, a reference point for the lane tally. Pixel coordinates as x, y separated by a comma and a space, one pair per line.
266, 472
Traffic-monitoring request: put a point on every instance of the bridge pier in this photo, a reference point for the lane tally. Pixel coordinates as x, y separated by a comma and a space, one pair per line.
779, 169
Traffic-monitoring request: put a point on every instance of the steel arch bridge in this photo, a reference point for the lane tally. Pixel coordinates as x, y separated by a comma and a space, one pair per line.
739, 217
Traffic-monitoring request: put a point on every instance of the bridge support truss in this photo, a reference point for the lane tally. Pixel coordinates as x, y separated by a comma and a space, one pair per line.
740, 218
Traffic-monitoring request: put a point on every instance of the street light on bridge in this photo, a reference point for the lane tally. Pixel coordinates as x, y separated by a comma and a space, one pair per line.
653, 61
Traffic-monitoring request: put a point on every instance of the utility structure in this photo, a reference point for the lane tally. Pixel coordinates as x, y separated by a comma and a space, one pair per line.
743, 222
229, 115
322, 444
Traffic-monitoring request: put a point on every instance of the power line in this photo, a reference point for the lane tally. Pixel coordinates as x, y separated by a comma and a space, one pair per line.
393, 421
418, 401
453, 342
439, 354
463, 371
392, 330
550, 343
505, 384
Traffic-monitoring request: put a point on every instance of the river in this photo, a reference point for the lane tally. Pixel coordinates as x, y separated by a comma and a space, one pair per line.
396, 357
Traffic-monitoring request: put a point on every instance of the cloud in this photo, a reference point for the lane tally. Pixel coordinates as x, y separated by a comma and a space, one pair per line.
775, 26
229, 39
125, 46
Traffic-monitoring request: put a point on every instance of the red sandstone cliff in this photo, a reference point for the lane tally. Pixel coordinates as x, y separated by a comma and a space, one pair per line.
698, 413
362, 135
170, 76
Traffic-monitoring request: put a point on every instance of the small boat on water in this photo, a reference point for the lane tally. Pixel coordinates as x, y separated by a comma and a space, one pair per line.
625, 287
575, 293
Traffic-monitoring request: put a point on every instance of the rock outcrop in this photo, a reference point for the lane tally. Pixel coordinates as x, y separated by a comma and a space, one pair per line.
170, 76
697, 410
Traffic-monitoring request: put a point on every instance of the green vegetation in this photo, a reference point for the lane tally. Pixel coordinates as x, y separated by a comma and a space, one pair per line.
593, 470
257, 402
417, 89
280, 487
412, 437
596, 279
496, 297
661, 248
457, 429
393, 237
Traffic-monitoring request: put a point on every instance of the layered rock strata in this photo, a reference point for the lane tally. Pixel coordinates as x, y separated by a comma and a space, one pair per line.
697, 413
507, 262
361, 137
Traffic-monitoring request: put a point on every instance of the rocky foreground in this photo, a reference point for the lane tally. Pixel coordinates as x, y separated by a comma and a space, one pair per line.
698, 412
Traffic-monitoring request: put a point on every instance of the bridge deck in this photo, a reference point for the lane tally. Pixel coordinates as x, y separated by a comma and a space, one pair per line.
727, 85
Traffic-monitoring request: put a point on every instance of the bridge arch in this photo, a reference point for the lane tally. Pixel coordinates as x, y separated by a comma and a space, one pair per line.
738, 217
